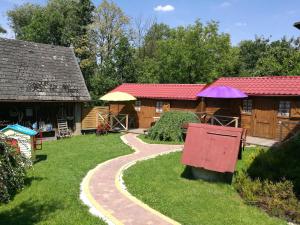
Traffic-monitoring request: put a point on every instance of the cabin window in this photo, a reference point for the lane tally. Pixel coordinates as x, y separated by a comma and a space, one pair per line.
284, 108
159, 107
247, 106
138, 105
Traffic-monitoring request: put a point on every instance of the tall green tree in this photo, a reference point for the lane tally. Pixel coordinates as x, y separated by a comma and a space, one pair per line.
156, 33
108, 27
189, 54
124, 62
281, 57
115, 55
82, 46
21, 16
250, 51
55, 23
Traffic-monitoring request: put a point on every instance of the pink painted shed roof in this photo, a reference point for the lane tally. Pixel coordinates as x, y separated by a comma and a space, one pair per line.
268, 86
162, 91
211, 147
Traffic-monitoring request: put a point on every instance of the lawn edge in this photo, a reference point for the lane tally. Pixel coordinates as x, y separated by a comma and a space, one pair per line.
139, 138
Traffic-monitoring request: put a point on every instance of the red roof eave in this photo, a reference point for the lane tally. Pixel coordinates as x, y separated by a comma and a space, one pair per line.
162, 91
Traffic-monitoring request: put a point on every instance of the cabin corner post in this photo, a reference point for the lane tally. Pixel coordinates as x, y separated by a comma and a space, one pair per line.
77, 117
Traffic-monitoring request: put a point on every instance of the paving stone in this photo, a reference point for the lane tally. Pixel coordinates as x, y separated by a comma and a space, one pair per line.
103, 190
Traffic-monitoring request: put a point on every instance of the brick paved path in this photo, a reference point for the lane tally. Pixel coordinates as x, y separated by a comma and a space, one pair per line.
105, 192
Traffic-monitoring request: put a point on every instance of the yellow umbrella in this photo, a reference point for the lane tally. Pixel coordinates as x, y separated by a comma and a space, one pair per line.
117, 96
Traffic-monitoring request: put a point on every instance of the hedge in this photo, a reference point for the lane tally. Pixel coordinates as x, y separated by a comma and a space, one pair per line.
168, 127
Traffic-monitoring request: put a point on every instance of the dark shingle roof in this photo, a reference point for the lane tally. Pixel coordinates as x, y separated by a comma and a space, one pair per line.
39, 72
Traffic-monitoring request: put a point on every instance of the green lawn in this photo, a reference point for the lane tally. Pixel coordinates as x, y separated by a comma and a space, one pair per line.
150, 141
158, 183
52, 193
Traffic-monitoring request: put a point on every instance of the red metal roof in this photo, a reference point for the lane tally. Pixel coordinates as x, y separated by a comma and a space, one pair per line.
162, 91
269, 85
212, 147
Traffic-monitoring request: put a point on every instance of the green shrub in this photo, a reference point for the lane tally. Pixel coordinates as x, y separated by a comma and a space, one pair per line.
279, 162
168, 127
269, 178
276, 198
12, 172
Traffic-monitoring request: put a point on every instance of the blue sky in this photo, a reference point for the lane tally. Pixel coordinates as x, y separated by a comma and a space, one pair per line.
242, 19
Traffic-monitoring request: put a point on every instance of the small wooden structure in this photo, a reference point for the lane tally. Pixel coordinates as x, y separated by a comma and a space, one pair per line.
24, 136
116, 121
91, 118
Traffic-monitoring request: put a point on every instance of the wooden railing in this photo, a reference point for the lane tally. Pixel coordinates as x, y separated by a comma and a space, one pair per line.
115, 121
219, 120
291, 131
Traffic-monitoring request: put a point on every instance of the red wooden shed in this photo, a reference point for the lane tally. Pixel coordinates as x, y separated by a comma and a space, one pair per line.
213, 148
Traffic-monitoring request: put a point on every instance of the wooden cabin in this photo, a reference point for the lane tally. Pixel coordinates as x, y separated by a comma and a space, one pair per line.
154, 99
272, 109
40, 83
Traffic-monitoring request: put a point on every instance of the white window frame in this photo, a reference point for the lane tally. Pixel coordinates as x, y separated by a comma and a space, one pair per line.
159, 107
138, 105
284, 108
247, 106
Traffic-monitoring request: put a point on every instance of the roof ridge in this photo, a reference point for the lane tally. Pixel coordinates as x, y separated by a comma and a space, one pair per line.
31, 42
262, 77
160, 84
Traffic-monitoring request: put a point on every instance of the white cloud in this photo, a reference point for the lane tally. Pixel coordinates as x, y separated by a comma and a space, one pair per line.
225, 4
240, 24
164, 8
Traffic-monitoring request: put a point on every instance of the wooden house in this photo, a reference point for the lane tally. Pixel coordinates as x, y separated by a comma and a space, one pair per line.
154, 99
40, 83
272, 109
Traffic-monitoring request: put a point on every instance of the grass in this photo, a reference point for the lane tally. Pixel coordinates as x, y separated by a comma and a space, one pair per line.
52, 192
159, 183
150, 141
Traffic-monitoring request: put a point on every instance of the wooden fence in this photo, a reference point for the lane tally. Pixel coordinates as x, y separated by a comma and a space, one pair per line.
219, 120
90, 117
288, 129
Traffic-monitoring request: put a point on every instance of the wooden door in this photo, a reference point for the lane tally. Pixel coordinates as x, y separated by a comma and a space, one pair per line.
147, 113
264, 118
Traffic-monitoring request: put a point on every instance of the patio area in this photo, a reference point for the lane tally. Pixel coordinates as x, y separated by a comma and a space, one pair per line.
260, 141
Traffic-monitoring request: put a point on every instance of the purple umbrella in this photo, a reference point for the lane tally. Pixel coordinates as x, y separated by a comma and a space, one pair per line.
221, 92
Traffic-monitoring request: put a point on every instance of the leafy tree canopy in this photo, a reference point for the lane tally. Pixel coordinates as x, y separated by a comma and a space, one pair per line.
112, 51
